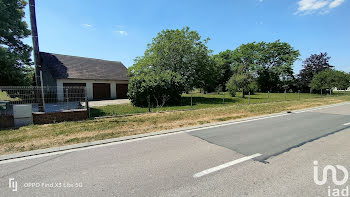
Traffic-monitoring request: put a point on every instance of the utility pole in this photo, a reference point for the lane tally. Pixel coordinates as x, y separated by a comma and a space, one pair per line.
37, 60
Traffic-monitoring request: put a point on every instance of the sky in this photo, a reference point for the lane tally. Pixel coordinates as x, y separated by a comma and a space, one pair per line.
120, 30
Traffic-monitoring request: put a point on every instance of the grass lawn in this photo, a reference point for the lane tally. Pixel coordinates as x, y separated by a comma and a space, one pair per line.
44, 136
5, 97
202, 101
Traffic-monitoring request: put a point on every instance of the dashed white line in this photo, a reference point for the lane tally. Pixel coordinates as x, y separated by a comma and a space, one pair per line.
346, 124
225, 165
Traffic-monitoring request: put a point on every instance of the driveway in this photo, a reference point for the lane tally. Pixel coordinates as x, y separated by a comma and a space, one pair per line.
108, 102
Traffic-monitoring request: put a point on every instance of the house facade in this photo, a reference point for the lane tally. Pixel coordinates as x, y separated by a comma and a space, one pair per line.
103, 79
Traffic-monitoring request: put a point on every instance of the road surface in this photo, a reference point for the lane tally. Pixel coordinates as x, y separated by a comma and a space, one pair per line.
271, 156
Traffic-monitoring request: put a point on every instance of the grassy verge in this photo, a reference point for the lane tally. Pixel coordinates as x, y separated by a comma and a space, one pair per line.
202, 101
45, 136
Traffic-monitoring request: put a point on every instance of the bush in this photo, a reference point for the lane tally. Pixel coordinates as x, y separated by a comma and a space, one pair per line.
232, 87
155, 89
241, 82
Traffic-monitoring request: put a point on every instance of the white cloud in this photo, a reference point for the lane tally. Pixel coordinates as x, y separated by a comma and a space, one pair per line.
123, 33
309, 5
320, 6
88, 26
336, 3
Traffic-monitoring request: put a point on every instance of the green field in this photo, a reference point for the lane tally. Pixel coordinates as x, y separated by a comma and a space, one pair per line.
202, 101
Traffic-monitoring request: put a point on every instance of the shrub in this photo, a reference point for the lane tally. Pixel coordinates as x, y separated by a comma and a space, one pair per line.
155, 88
241, 82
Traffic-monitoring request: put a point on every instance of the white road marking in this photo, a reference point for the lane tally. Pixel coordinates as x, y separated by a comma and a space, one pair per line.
225, 165
346, 124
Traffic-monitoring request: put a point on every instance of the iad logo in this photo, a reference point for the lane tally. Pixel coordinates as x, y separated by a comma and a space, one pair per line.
13, 184
333, 171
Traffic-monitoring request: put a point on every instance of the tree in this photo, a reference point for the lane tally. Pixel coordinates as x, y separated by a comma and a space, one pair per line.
312, 66
155, 88
275, 61
14, 54
244, 64
269, 63
330, 79
241, 81
180, 51
223, 66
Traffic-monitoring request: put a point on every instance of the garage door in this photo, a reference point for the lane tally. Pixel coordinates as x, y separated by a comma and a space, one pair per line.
101, 91
122, 90
74, 91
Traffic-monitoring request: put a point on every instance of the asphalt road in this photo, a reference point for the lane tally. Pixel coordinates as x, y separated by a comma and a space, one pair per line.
205, 162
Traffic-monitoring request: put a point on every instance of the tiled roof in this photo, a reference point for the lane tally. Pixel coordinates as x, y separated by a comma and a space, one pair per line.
72, 67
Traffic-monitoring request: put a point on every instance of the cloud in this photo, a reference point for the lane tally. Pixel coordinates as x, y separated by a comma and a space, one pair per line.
309, 5
88, 26
336, 3
320, 6
123, 33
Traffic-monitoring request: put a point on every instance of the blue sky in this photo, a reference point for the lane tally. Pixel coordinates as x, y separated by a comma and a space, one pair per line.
120, 29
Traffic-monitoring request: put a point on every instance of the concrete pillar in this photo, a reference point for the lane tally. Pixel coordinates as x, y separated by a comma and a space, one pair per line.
90, 90
60, 95
113, 90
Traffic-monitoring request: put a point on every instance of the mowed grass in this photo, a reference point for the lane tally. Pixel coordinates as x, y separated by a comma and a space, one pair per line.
52, 135
5, 97
202, 101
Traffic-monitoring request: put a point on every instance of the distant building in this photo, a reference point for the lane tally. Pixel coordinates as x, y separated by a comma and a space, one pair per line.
102, 79
336, 89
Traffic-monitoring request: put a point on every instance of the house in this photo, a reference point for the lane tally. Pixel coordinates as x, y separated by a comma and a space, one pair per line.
102, 79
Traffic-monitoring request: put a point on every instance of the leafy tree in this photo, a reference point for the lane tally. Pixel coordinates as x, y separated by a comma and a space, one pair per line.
14, 54
312, 66
329, 79
223, 66
180, 51
275, 61
269, 63
245, 58
243, 64
155, 88
241, 81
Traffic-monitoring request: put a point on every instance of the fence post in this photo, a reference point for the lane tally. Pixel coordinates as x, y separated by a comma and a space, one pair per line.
285, 98
223, 98
249, 98
299, 95
268, 97
87, 103
149, 103
191, 101
321, 92
67, 98
310, 93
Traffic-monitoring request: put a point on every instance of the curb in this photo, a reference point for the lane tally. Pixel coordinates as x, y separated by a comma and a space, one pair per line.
139, 136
